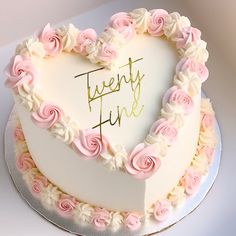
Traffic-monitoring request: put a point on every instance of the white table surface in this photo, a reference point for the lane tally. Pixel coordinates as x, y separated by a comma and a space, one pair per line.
217, 213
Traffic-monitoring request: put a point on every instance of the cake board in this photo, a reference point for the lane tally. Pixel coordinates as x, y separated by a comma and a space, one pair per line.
149, 228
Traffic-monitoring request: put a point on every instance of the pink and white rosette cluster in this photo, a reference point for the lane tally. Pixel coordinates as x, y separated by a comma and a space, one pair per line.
178, 101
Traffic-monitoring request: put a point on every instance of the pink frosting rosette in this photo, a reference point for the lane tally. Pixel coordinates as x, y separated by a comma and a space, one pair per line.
162, 210
100, 218
46, 115
166, 128
207, 121
20, 70
156, 22
123, 23
18, 134
39, 183
90, 144
51, 41
178, 96
187, 35
85, 38
208, 151
142, 161
24, 162
132, 221
193, 66
107, 52
191, 181
65, 205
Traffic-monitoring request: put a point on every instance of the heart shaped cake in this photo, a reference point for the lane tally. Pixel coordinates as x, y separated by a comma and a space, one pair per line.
112, 128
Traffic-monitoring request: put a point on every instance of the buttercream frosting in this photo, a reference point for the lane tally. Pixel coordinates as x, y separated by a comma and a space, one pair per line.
68, 36
29, 97
140, 18
142, 161
156, 22
51, 41
31, 47
174, 24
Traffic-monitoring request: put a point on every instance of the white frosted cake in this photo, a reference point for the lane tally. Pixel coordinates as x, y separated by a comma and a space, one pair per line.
112, 128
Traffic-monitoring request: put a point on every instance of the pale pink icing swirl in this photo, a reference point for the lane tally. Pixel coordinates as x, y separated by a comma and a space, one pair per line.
132, 221
207, 121
142, 161
193, 66
107, 52
84, 39
20, 70
38, 184
24, 162
208, 151
100, 218
165, 128
51, 41
123, 23
65, 205
191, 181
90, 144
187, 35
18, 134
46, 115
162, 210
178, 96
156, 22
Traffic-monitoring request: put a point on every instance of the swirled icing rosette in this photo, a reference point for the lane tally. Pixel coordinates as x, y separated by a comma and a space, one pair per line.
19, 71
47, 115
178, 96
123, 23
187, 35
31, 47
51, 41
85, 39
193, 66
132, 221
142, 161
174, 24
140, 18
68, 37
29, 97
25, 162
90, 144
191, 181
100, 218
66, 205
166, 129
162, 210
156, 22
39, 182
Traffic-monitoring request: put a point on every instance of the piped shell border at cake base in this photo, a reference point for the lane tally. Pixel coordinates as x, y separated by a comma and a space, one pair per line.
191, 72
69, 208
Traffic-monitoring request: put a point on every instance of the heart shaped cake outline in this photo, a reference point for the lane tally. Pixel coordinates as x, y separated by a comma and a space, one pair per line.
178, 101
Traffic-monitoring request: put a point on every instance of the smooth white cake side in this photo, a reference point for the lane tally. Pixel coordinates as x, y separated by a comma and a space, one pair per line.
89, 180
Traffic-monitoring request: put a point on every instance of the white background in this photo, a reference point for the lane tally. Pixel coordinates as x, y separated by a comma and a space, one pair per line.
217, 213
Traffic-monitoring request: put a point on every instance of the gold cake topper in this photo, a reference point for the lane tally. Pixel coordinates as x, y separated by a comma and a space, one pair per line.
114, 85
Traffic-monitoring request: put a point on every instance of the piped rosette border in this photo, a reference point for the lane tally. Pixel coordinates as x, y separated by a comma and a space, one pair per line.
178, 101
67, 206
